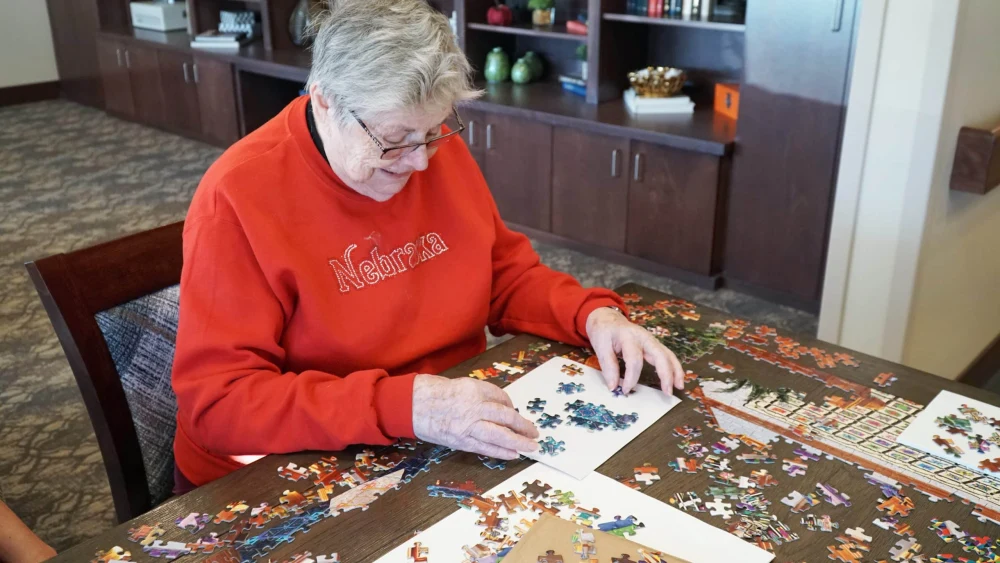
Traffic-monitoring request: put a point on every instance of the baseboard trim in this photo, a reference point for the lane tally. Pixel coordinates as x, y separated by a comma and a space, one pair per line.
984, 367
707, 282
25, 93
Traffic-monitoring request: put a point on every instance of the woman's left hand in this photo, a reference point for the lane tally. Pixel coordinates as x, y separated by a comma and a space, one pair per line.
612, 334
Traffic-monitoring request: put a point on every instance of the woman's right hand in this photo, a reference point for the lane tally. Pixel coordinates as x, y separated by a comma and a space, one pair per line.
470, 415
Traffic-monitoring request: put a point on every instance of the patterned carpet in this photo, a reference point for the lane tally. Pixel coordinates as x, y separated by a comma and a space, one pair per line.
71, 176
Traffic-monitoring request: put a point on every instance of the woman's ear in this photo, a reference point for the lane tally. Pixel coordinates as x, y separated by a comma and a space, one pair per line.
319, 102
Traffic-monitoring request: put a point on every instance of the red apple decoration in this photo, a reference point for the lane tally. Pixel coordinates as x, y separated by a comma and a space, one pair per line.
499, 14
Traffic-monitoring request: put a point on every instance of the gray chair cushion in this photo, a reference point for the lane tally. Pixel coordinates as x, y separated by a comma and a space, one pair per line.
141, 335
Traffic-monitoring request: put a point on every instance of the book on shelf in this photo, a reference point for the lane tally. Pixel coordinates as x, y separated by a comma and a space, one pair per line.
214, 39
651, 106
216, 36
575, 80
574, 88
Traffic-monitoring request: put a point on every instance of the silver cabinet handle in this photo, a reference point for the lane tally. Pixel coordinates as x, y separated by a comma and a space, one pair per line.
194, 67
128, 60
187, 80
119, 53
489, 136
472, 133
838, 15
614, 163
636, 167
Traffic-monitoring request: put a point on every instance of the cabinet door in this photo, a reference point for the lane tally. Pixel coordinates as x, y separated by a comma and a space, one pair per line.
673, 205
180, 93
114, 76
74, 38
792, 108
519, 169
475, 135
147, 88
590, 187
217, 100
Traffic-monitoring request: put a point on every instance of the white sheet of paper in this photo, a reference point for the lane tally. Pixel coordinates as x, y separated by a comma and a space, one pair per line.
665, 528
922, 429
585, 449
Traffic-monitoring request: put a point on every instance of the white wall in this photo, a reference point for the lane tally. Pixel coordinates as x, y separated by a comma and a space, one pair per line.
955, 311
26, 52
907, 278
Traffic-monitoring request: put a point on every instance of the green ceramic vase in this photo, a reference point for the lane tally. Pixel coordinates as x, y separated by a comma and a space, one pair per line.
535, 63
497, 66
521, 72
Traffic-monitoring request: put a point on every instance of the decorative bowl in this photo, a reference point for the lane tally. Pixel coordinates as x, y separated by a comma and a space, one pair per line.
657, 82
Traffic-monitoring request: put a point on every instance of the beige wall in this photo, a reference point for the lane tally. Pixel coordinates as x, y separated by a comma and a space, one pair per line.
909, 274
955, 311
26, 53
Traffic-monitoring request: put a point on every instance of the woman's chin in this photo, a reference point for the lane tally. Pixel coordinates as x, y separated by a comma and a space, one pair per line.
387, 184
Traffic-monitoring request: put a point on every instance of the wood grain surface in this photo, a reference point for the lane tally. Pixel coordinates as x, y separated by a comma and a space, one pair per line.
396, 516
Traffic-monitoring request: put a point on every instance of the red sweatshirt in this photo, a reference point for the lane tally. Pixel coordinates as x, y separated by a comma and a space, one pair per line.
307, 308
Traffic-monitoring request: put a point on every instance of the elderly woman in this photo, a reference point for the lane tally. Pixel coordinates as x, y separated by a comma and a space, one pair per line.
349, 249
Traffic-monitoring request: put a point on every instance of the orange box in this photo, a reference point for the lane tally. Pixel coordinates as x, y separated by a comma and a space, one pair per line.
727, 100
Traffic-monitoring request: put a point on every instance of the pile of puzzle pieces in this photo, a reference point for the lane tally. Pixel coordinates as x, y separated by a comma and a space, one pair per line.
243, 533
598, 417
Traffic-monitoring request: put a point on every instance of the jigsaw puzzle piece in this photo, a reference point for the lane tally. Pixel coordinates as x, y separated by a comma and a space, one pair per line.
146, 534
293, 472
168, 550
232, 509
193, 522
116, 553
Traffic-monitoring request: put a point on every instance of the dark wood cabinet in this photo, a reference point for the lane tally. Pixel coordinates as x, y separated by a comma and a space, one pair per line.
590, 186
189, 94
216, 100
475, 135
74, 26
674, 207
792, 105
147, 86
115, 77
180, 93
519, 169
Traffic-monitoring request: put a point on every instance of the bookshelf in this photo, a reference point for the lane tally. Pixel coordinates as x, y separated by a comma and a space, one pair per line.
719, 25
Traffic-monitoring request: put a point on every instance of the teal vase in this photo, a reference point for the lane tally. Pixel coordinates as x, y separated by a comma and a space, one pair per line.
497, 66
535, 63
521, 73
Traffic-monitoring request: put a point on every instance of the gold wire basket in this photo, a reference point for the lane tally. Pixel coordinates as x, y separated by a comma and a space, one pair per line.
657, 82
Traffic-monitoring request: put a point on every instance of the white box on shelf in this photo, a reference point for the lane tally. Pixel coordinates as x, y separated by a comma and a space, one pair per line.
652, 106
159, 16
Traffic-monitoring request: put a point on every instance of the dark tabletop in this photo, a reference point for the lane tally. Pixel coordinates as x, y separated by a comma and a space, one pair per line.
395, 517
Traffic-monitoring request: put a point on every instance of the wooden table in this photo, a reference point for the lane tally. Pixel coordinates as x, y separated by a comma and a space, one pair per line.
393, 519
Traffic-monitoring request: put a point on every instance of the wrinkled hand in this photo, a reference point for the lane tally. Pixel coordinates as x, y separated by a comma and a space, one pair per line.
612, 334
470, 415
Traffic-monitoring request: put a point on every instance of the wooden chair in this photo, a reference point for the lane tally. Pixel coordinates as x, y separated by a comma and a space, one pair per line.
88, 292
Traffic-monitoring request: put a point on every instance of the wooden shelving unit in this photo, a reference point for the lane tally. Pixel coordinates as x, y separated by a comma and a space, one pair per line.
555, 32
696, 24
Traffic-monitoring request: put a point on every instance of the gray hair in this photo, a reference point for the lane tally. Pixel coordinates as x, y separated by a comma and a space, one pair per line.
374, 56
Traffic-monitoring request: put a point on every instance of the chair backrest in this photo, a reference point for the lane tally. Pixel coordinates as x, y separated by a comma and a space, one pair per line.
114, 308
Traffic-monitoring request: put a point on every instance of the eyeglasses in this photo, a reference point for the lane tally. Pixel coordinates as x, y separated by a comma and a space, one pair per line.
392, 153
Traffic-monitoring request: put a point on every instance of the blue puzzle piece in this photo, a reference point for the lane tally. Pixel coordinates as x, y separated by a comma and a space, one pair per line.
536, 405
570, 388
618, 522
493, 463
551, 447
412, 466
618, 392
549, 421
